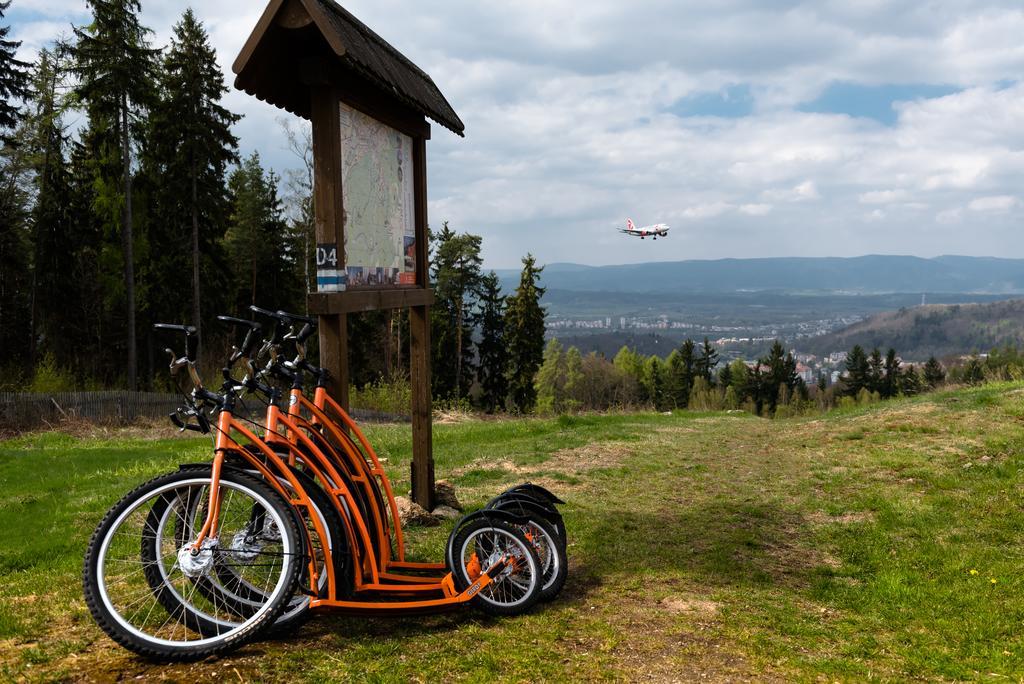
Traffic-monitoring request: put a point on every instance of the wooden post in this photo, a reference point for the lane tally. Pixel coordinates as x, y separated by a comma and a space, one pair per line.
419, 346
328, 212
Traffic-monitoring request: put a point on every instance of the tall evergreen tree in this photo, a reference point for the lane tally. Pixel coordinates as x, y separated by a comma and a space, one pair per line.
115, 68
258, 241
492, 352
858, 371
442, 361
706, 362
457, 283
86, 329
15, 255
654, 380
53, 243
524, 330
781, 379
682, 371
190, 146
890, 376
14, 80
934, 375
910, 382
876, 371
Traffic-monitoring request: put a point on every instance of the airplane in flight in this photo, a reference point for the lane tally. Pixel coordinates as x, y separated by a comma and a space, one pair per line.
655, 231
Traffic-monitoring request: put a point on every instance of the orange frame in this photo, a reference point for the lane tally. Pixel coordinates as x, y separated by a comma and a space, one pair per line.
325, 467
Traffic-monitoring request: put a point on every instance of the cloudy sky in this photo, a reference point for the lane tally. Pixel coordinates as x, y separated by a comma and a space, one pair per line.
752, 127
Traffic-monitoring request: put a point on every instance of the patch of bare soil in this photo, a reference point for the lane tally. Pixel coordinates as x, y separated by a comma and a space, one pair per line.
589, 457
689, 606
676, 640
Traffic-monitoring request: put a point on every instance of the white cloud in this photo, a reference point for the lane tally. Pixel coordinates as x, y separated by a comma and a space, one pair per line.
882, 196
568, 108
994, 203
756, 209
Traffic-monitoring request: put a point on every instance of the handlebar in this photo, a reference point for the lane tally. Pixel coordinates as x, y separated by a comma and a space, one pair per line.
252, 337
190, 348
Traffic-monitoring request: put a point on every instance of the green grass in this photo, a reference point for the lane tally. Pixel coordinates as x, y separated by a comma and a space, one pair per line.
717, 545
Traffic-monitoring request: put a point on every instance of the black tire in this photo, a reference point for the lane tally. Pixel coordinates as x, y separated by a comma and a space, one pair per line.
553, 559
526, 506
514, 590
114, 614
243, 599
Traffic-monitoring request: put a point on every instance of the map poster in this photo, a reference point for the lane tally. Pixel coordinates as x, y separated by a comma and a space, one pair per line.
378, 195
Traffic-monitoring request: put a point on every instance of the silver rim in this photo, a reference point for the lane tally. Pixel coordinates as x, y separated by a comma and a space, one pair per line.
130, 600
515, 584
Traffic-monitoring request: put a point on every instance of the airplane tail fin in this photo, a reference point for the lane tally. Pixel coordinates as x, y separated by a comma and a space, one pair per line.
629, 224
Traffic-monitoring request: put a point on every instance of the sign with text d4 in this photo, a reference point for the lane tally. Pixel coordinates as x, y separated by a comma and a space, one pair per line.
330, 277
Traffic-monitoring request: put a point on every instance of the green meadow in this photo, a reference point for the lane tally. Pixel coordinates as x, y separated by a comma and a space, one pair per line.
880, 543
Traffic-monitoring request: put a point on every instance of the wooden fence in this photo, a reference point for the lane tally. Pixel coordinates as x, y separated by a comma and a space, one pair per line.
28, 410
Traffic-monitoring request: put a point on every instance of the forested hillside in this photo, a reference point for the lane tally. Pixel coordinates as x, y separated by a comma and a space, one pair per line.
933, 330
862, 275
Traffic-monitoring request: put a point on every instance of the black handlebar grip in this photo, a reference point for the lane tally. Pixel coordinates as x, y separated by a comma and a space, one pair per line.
307, 330
276, 315
187, 329
297, 317
240, 321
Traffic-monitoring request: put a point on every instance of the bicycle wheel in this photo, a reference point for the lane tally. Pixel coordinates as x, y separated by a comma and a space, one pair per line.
526, 506
137, 578
554, 564
507, 556
234, 592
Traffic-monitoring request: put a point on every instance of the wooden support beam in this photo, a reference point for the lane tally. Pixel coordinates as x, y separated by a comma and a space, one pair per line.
422, 443
328, 212
419, 345
353, 301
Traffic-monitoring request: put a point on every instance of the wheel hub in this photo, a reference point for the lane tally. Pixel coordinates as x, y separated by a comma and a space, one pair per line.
244, 547
197, 564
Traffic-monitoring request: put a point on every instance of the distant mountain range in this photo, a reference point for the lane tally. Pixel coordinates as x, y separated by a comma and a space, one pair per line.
872, 274
941, 329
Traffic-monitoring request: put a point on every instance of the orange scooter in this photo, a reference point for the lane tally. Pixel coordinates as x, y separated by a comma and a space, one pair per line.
275, 525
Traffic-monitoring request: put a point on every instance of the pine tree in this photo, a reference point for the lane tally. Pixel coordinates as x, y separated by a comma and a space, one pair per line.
190, 146
15, 257
890, 376
87, 330
725, 375
493, 355
442, 334
706, 362
654, 380
682, 371
258, 241
876, 371
53, 263
524, 331
934, 375
910, 382
781, 374
14, 81
754, 388
116, 67
858, 371
457, 283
